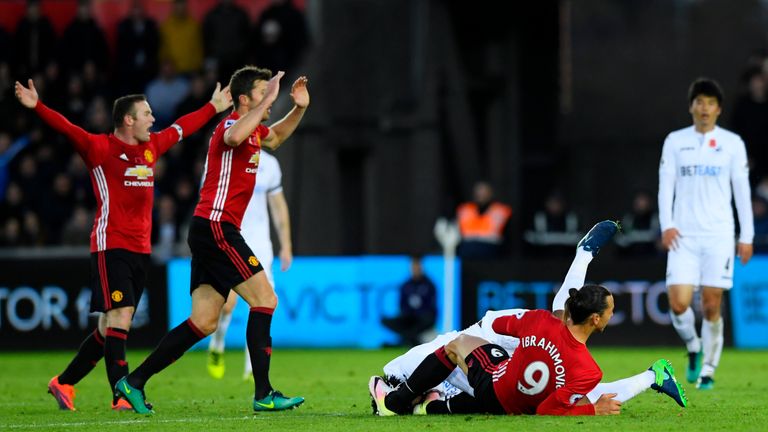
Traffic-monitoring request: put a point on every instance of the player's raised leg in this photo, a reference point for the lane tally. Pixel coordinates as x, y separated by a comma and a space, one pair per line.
587, 248
261, 299
206, 306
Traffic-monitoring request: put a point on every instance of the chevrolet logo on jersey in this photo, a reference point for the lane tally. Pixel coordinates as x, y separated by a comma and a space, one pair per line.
142, 174
255, 161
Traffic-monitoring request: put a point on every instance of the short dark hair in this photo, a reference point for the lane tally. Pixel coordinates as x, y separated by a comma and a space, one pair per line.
582, 303
125, 105
705, 87
242, 81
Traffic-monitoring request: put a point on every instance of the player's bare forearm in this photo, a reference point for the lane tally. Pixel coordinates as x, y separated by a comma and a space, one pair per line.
281, 219
285, 127
244, 126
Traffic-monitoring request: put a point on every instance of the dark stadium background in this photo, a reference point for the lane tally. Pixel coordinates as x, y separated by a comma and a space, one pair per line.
414, 101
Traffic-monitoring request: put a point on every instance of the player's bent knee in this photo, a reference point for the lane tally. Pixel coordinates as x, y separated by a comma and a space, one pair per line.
677, 307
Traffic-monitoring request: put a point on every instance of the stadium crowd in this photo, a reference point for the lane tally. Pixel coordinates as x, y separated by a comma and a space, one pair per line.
45, 196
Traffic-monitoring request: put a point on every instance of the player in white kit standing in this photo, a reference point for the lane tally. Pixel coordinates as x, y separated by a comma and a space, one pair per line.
703, 167
255, 231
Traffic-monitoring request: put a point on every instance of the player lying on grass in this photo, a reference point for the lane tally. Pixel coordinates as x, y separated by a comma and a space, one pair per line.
543, 386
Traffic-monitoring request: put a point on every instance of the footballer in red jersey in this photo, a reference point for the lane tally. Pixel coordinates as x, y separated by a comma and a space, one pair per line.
221, 260
550, 371
121, 166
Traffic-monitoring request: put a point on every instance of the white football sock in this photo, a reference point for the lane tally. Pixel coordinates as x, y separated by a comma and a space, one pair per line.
625, 389
712, 345
248, 365
217, 338
685, 324
577, 273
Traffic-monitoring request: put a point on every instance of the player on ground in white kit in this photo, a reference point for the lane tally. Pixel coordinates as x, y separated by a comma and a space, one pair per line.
255, 231
456, 388
699, 166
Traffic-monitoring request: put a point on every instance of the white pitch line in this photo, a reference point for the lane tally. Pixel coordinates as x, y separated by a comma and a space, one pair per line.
119, 422
154, 420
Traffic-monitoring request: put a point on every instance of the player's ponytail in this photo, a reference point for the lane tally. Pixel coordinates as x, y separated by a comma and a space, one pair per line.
582, 303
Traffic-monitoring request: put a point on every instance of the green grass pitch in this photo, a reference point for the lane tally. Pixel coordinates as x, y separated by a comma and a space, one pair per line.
334, 383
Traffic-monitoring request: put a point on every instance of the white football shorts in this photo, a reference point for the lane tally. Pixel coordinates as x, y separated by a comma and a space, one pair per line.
702, 261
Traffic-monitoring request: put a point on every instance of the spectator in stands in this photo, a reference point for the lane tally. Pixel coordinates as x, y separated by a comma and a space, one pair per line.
59, 208
482, 224
183, 157
181, 42
83, 41
13, 205
34, 42
280, 35
418, 307
11, 234
77, 230
222, 25
555, 229
98, 116
138, 42
164, 94
30, 182
31, 232
76, 103
55, 87
750, 120
8, 150
94, 83
640, 227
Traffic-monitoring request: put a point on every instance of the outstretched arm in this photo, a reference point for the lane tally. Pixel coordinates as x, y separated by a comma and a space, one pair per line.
192, 122
281, 130
28, 97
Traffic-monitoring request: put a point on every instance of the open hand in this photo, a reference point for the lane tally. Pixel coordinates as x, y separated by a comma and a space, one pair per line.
26, 96
607, 405
221, 98
299, 92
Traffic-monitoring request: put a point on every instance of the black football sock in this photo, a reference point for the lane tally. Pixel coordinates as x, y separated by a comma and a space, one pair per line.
171, 348
90, 352
260, 348
433, 370
114, 356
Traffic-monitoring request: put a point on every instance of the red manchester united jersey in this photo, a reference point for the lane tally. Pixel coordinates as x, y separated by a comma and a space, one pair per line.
230, 174
122, 176
549, 372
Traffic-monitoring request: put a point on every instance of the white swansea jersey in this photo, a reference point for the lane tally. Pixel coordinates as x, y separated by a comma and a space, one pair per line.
695, 177
255, 225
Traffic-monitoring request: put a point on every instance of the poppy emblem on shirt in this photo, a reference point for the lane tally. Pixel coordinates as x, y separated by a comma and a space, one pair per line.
117, 296
149, 156
253, 261
712, 143
141, 172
